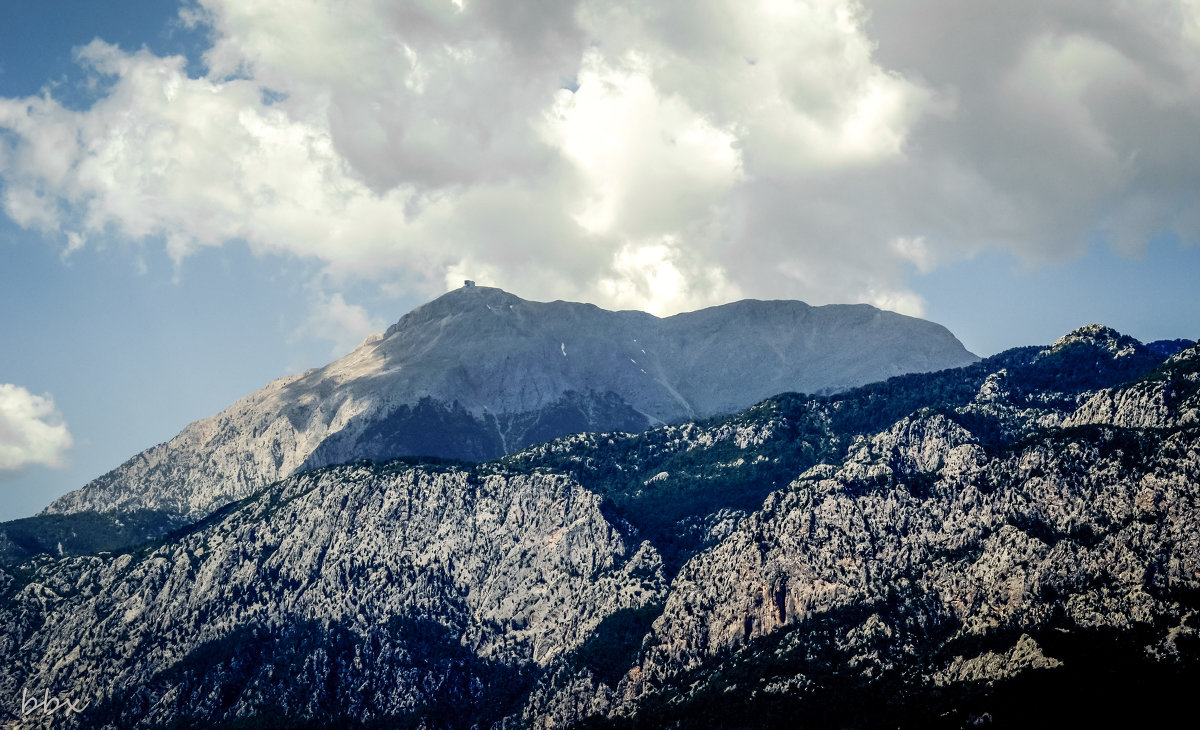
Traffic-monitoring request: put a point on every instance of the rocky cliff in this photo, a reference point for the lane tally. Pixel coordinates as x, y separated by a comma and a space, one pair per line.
1015, 543
359, 592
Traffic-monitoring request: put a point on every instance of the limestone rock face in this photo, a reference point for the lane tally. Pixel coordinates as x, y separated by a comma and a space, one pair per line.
991, 665
1165, 399
478, 373
936, 549
997, 544
1063, 517
427, 577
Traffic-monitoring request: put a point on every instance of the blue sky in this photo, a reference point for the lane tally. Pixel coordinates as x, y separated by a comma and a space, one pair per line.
196, 198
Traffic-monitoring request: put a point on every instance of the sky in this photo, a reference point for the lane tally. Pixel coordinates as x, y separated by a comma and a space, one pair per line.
198, 197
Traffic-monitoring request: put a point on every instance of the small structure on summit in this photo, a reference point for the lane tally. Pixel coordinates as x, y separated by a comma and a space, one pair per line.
468, 283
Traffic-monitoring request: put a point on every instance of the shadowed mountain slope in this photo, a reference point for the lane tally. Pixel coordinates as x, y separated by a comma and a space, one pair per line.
1015, 543
478, 373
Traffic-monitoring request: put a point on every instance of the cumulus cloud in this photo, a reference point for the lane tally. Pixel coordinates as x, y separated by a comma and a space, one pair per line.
31, 430
345, 325
1069, 120
656, 276
663, 156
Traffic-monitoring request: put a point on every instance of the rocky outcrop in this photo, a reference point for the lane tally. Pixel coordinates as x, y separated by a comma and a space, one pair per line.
1059, 531
1167, 398
423, 575
999, 554
1066, 516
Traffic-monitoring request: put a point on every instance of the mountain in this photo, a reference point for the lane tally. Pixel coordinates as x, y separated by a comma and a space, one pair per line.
478, 373
1014, 543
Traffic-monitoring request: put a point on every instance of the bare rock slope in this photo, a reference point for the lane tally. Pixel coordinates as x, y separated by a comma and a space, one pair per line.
984, 546
478, 373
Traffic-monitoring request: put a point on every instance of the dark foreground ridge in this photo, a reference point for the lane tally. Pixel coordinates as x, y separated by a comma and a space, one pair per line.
1014, 543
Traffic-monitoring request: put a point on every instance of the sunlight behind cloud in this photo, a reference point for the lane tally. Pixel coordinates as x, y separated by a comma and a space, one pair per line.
655, 277
813, 149
650, 164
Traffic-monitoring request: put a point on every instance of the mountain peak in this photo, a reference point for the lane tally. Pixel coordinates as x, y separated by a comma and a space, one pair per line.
1096, 336
473, 296
479, 372
470, 298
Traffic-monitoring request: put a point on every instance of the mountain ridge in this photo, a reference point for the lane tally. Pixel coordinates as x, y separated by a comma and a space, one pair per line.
982, 558
479, 372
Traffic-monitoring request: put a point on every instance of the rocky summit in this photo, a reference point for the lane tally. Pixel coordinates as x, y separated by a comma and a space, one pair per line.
1012, 543
478, 373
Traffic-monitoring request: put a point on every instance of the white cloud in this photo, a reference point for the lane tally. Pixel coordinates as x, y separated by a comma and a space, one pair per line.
649, 163
640, 155
31, 430
29, 209
345, 325
914, 250
658, 277
794, 81
1068, 125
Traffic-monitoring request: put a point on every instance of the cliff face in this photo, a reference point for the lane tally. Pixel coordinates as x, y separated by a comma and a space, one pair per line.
478, 373
359, 591
1015, 548
1166, 398
942, 562
943, 566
